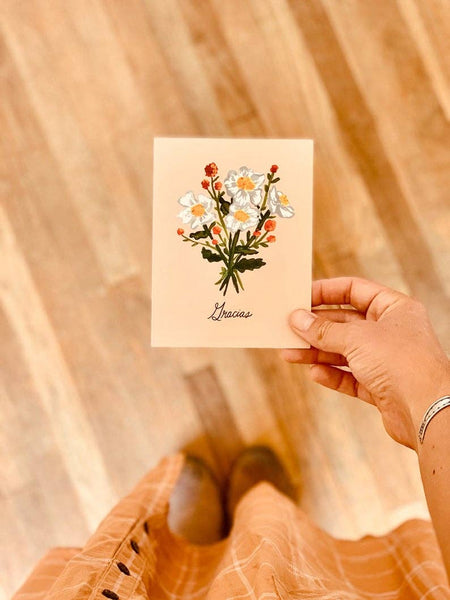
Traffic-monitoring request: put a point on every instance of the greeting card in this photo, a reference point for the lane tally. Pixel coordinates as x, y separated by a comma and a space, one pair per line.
232, 238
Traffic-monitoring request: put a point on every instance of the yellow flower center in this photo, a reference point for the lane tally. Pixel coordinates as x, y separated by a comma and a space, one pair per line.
245, 183
283, 200
198, 210
241, 216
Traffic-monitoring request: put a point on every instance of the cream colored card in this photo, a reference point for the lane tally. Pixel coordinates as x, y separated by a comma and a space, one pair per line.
232, 241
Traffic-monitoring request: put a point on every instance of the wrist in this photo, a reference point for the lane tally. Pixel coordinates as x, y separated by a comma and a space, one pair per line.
439, 386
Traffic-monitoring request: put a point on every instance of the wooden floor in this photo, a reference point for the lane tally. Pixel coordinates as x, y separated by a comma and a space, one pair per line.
86, 406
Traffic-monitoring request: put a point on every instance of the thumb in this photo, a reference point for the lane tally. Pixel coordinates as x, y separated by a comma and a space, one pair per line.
319, 332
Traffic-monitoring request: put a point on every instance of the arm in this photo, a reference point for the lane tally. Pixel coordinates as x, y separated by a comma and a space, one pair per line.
395, 362
434, 461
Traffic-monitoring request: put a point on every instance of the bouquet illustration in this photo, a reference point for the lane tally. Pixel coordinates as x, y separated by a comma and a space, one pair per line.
232, 228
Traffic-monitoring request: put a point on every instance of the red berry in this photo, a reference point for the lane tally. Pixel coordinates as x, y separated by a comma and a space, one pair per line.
271, 238
274, 168
216, 229
270, 225
256, 233
180, 231
215, 242
205, 184
218, 186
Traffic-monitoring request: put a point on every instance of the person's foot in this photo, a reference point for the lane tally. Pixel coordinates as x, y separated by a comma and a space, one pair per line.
253, 465
196, 510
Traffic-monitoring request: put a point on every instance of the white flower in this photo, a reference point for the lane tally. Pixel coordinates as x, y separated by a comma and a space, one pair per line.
198, 211
241, 217
245, 186
279, 203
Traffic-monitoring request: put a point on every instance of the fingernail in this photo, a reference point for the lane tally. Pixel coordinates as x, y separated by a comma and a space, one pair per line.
302, 319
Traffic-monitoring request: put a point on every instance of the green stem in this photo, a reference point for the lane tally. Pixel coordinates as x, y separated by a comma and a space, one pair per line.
233, 246
263, 219
222, 255
269, 183
232, 241
239, 279
216, 200
259, 239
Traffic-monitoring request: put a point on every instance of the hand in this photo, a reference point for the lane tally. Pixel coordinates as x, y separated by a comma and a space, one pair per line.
386, 341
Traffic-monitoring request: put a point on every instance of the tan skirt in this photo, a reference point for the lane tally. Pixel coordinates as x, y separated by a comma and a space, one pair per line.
273, 551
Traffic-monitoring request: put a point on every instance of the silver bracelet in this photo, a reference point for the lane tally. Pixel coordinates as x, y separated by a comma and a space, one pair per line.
432, 411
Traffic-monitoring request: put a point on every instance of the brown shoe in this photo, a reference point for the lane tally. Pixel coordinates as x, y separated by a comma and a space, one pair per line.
196, 510
253, 465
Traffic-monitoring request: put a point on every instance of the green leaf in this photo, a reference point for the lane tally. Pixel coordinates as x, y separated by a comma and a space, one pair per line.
249, 264
275, 180
210, 256
199, 235
241, 249
224, 206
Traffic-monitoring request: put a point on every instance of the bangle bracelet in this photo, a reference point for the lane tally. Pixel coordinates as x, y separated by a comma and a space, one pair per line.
432, 411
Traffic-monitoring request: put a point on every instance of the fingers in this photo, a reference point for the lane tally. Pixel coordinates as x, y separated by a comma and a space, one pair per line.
312, 355
360, 293
315, 355
340, 315
319, 332
341, 381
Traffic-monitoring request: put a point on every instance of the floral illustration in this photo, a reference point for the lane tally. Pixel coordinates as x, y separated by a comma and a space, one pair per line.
234, 220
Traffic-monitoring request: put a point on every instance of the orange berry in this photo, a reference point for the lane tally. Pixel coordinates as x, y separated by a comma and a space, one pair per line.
271, 238
218, 186
257, 233
211, 170
180, 231
216, 229
205, 184
215, 242
270, 225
